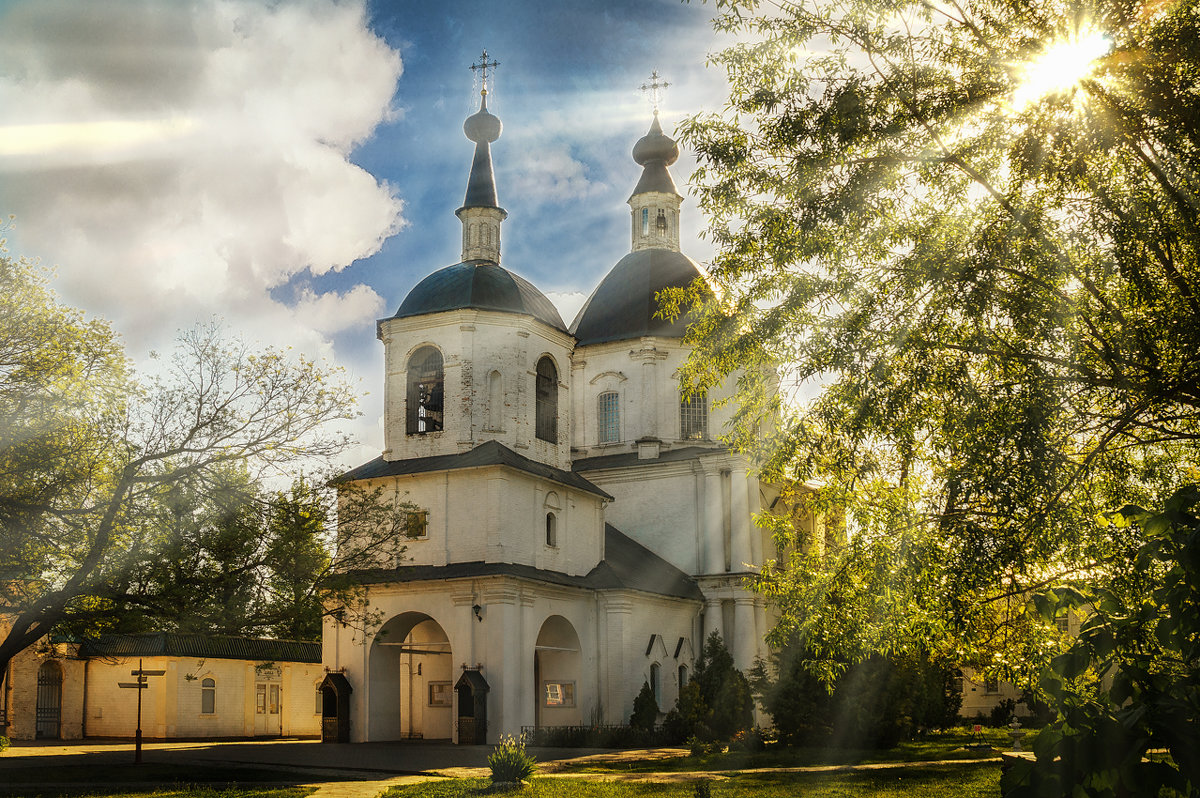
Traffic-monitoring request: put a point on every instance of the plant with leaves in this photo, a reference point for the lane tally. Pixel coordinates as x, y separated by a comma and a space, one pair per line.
1128, 688
510, 763
961, 299
101, 477
645, 709
716, 703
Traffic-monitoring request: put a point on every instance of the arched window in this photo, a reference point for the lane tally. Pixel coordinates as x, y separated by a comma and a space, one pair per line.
693, 417
425, 391
645, 221
683, 676
551, 529
547, 400
609, 417
660, 223
495, 401
208, 697
656, 683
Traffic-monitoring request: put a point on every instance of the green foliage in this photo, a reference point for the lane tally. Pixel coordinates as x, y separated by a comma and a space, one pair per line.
716, 703
509, 761
874, 703
1130, 682
4, 743
645, 709
994, 303
135, 504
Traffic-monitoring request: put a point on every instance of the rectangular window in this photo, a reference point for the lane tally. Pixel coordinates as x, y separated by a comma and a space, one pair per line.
693, 417
439, 694
1063, 623
416, 524
274, 710
558, 694
260, 700
320, 710
991, 686
609, 417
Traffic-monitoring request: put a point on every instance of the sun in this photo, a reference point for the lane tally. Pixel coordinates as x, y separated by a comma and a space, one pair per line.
1060, 66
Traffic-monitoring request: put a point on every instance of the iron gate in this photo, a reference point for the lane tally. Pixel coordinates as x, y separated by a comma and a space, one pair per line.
49, 701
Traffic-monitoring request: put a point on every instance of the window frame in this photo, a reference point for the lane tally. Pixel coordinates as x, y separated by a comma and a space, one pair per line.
425, 417
208, 693
546, 400
565, 691
608, 417
693, 416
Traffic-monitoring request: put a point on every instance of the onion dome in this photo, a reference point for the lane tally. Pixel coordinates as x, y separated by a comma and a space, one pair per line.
481, 286
482, 128
625, 304
654, 152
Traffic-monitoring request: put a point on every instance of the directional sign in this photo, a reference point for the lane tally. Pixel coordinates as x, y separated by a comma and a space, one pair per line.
142, 683
140, 672
134, 685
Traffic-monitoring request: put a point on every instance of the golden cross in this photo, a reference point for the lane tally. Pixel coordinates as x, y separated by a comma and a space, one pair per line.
653, 89
484, 65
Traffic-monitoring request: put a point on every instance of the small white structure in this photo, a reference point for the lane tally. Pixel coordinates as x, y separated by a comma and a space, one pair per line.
580, 531
211, 687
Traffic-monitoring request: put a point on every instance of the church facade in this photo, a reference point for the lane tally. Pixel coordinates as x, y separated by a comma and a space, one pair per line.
579, 530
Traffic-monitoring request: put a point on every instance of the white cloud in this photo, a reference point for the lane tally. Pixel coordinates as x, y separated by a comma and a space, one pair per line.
180, 160
568, 303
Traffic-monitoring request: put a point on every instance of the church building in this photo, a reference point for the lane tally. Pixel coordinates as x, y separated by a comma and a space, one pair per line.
580, 530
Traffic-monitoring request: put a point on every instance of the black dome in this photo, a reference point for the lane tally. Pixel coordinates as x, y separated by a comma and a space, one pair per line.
484, 286
623, 306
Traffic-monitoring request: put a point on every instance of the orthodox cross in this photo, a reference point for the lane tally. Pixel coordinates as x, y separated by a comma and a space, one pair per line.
483, 66
653, 89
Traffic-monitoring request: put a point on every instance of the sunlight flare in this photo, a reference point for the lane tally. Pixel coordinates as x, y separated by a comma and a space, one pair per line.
1060, 66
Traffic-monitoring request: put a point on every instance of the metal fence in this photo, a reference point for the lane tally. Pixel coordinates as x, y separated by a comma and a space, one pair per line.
592, 737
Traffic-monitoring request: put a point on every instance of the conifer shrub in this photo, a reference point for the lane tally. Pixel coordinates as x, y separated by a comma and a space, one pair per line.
645, 709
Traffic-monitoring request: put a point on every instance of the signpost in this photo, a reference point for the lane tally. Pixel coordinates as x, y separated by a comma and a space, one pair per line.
141, 684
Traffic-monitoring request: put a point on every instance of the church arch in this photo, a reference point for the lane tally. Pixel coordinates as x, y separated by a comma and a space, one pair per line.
411, 676
546, 400
557, 676
426, 391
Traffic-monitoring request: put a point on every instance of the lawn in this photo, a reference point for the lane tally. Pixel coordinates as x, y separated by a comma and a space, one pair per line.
956, 744
157, 780
973, 780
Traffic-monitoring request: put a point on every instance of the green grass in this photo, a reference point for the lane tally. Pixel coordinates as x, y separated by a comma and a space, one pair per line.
159, 780
953, 744
974, 780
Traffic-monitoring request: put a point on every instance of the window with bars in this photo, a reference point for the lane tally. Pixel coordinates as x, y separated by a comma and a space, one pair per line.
693, 416
609, 417
416, 524
546, 422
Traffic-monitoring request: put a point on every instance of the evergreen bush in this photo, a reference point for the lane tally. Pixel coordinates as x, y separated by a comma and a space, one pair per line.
645, 709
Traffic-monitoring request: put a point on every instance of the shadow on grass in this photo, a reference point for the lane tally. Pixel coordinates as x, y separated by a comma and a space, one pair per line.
202, 781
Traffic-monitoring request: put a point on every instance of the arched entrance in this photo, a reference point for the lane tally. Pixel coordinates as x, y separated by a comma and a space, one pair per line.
49, 701
556, 662
411, 676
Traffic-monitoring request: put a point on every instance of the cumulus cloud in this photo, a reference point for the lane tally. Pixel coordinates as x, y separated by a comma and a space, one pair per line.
180, 160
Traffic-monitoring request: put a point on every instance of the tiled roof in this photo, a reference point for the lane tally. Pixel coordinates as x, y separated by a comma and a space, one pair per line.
170, 644
486, 454
627, 565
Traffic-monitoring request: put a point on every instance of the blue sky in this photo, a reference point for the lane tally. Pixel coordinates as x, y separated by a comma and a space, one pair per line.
293, 168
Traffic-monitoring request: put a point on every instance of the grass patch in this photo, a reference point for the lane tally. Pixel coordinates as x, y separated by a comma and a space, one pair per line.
952, 745
159, 780
975, 780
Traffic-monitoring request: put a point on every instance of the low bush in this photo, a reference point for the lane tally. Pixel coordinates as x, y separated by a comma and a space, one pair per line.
509, 761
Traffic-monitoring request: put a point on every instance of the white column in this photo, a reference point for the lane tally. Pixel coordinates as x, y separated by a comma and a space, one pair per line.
745, 635
714, 621
714, 524
739, 510
617, 705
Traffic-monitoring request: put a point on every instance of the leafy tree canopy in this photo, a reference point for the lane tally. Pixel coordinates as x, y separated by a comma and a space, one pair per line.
968, 232
123, 500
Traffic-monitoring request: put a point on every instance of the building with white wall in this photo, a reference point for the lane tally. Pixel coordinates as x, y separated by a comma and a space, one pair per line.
579, 529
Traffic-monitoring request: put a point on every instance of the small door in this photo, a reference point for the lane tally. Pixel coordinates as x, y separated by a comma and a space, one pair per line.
268, 704
49, 701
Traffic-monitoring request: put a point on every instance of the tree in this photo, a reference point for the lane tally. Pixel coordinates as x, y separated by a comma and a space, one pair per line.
104, 479
988, 282
1130, 682
645, 709
719, 704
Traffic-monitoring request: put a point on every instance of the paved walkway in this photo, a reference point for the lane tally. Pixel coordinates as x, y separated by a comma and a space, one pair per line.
364, 770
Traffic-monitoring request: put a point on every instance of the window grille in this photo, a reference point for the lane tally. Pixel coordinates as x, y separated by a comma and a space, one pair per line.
609, 417
693, 417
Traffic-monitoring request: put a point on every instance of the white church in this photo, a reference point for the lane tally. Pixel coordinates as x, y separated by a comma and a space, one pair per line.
581, 531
